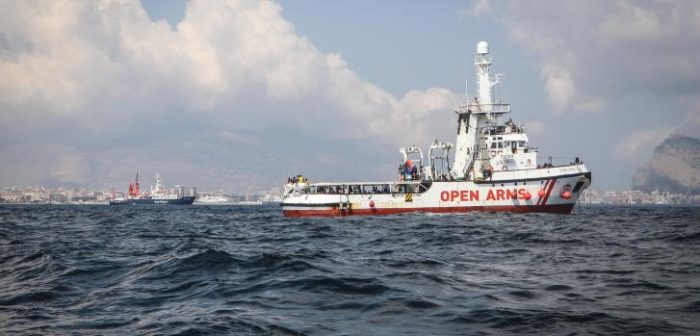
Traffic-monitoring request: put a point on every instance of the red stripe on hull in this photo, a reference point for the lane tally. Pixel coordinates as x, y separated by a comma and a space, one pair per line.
549, 191
546, 185
310, 212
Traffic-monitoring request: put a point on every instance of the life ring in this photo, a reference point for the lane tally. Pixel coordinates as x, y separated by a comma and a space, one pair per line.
565, 192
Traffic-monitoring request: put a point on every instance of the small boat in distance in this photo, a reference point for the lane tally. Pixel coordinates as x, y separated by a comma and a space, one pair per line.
258, 202
212, 199
494, 168
157, 195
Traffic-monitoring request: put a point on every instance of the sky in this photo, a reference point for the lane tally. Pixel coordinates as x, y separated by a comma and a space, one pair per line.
240, 94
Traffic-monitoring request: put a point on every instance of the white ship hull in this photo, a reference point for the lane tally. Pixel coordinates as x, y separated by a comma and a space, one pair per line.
533, 190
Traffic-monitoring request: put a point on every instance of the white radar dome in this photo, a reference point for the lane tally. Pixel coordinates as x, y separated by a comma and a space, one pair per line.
482, 47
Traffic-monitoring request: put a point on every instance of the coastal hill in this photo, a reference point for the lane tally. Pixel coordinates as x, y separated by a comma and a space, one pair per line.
244, 161
674, 167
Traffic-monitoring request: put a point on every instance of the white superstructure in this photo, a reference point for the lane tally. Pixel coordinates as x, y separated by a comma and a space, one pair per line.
158, 192
494, 169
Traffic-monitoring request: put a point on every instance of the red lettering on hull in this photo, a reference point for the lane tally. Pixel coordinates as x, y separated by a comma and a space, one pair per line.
445, 196
522, 194
459, 195
490, 196
473, 195
500, 195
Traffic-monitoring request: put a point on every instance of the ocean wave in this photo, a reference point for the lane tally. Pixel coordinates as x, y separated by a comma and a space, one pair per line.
687, 238
233, 270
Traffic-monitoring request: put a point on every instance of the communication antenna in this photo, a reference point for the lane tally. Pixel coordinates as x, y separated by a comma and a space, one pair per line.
466, 83
466, 89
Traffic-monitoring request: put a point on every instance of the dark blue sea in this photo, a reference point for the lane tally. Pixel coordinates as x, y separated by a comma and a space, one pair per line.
246, 270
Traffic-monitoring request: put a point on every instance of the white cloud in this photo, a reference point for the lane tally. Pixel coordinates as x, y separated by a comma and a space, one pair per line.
559, 86
593, 105
691, 124
480, 7
631, 146
103, 69
535, 127
594, 52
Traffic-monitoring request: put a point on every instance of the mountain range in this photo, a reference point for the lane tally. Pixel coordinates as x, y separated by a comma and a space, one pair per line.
242, 161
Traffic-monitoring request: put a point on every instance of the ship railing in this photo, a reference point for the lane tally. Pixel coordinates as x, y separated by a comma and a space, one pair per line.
484, 164
368, 188
349, 188
545, 165
497, 108
558, 161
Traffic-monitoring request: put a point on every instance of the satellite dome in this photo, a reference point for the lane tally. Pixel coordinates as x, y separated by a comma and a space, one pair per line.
482, 47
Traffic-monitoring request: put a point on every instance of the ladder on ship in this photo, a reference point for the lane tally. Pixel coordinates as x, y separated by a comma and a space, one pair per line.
470, 165
344, 206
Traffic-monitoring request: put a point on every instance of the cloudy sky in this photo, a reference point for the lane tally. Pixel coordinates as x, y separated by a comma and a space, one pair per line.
243, 93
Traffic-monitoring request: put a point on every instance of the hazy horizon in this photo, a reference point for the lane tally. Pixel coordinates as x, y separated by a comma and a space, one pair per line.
241, 94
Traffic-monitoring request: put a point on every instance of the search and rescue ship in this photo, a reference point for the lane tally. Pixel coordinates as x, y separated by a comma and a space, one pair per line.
494, 169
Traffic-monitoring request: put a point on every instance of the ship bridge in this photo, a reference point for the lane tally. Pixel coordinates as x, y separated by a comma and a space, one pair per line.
478, 118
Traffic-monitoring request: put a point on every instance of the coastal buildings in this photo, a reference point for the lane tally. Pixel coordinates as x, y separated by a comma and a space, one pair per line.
85, 195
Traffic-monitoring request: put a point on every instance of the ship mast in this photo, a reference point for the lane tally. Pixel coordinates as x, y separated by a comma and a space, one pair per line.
476, 116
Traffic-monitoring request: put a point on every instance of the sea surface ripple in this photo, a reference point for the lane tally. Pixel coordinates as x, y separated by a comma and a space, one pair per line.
246, 270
